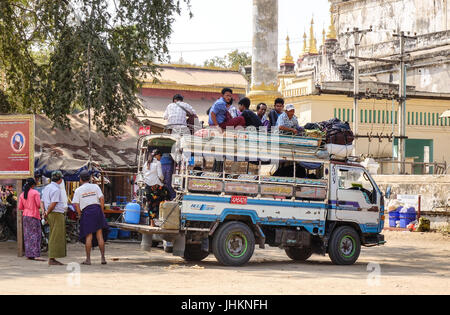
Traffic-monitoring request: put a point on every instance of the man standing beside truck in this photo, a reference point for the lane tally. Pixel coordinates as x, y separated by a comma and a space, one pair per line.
89, 203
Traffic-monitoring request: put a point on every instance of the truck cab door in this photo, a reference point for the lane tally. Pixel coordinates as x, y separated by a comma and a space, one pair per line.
356, 198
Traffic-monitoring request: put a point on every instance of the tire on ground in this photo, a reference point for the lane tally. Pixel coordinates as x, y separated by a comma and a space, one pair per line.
194, 252
298, 253
344, 246
233, 243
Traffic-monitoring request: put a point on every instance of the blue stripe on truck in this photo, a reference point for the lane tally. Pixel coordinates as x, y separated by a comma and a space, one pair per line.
260, 202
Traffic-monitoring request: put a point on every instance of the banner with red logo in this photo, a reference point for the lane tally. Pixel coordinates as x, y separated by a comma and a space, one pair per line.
17, 146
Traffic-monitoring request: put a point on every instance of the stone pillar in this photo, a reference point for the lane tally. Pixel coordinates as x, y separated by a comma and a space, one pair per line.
264, 85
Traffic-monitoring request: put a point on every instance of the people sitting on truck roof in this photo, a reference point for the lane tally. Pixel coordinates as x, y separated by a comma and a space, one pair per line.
287, 122
276, 112
219, 114
261, 110
251, 119
176, 113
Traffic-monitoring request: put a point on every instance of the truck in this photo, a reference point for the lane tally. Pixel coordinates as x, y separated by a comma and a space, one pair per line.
241, 189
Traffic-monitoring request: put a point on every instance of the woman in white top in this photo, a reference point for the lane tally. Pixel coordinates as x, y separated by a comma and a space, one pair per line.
154, 178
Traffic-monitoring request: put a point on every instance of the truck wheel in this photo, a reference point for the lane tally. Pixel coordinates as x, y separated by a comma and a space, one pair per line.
345, 246
233, 244
298, 253
193, 252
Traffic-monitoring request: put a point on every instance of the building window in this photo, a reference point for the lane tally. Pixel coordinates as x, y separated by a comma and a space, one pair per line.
409, 118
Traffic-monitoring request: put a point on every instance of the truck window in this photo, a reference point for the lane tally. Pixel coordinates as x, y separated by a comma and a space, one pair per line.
357, 179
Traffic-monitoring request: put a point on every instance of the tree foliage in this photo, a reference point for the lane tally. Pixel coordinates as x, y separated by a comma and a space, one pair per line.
58, 56
233, 60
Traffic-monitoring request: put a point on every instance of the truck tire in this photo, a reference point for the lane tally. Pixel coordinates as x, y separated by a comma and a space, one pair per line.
193, 252
344, 246
298, 253
233, 244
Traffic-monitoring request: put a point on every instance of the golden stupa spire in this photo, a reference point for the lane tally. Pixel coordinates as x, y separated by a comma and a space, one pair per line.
288, 58
305, 45
331, 30
323, 36
312, 40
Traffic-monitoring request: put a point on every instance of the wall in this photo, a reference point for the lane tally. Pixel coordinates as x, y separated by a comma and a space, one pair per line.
420, 16
429, 62
434, 191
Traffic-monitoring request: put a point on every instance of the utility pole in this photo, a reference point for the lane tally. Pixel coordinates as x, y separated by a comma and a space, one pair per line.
357, 35
402, 101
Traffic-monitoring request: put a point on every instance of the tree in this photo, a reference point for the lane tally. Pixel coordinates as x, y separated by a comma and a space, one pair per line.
95, 54
233, 60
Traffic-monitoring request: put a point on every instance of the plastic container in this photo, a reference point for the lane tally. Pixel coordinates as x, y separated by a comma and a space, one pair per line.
124, 234
113, 233
394, 216
132, 213
407, 215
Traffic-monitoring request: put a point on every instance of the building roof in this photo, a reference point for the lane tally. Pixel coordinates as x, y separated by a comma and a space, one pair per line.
185, 77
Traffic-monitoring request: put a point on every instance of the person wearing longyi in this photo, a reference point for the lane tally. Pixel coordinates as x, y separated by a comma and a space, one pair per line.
55, 215
29, 202
90, 204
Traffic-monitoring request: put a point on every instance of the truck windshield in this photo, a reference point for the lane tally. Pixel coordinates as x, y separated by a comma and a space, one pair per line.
356, 179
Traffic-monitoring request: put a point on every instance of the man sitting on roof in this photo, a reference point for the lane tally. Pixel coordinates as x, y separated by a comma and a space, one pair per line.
176, 113
220, 116
251, 119
287, 122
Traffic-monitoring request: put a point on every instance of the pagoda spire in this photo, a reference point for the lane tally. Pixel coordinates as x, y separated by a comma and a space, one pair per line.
288, 59
312, 40
305, 45
331, 30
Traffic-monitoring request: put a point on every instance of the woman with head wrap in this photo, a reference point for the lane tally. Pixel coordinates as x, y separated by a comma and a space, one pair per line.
29, 202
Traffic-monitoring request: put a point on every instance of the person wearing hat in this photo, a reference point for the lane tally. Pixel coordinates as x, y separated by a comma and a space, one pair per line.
176, 113
287, 122
89, 202
53, 204
154, 184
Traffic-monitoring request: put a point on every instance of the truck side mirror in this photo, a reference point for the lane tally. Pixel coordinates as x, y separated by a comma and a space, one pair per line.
388, 192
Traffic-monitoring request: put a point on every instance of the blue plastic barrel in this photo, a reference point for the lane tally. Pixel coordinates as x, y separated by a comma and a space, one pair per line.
394, 216
113, 233
124, 234
407, 215
132, 213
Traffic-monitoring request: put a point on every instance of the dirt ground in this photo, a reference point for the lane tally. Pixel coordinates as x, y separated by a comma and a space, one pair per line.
410, 263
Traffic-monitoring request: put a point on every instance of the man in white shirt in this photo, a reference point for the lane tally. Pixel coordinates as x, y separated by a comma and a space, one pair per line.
176, 113
54, 213
90, 203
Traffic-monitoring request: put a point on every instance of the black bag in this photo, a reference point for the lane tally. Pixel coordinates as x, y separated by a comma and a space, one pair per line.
341, 136
338, 132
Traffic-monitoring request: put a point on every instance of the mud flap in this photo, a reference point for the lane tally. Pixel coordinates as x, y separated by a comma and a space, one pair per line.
179, 244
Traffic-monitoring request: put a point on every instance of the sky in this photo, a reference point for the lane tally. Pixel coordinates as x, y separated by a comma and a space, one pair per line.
221, 26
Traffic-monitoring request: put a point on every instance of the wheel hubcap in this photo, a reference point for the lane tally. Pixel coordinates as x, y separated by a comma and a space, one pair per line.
236, 245
347, 246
